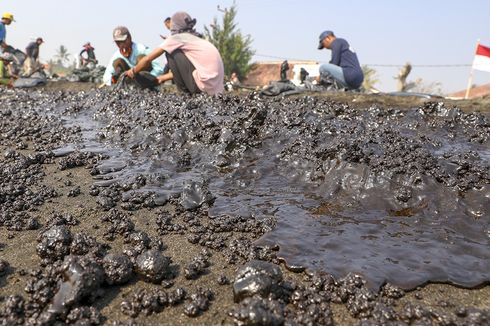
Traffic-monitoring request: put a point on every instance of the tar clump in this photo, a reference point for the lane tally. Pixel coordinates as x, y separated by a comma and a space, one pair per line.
256, 277
152, 265
118, 269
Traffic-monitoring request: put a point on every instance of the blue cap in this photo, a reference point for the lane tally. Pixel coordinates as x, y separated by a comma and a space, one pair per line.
322, 37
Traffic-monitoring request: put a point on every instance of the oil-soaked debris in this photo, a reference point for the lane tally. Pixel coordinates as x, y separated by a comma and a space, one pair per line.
153, 266
120, 224
139, 241
62, 219
12, 310
74, 192
84, 316
199, 302
258, 311
166, 225
76, 159
152, 302
256, 277
81, 282
197, 267
118, 269
54, 243
18, 221
392, 291
83, 244
243, 250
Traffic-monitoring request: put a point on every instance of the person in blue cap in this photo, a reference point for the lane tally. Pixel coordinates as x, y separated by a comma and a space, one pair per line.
344, 66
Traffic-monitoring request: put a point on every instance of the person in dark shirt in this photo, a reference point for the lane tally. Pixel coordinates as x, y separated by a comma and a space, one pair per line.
89, 49
31, 64
32, 49
344, 66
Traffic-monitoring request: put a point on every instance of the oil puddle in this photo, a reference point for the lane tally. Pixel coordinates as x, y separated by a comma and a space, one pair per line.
397, 196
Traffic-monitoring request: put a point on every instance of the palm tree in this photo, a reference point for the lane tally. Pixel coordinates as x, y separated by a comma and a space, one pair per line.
62, 55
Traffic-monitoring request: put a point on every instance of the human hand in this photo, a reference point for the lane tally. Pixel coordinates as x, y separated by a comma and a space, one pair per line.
130, 73
161, 79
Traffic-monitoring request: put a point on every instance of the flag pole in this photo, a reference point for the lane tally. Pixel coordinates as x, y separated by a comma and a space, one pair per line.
470, 79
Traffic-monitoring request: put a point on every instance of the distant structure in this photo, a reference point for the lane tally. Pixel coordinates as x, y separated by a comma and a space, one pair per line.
264, 72
284, 70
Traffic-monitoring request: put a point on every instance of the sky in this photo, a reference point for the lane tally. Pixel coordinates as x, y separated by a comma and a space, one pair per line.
385, 33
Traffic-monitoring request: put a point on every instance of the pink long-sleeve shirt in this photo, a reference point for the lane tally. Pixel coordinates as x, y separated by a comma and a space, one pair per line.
209, 73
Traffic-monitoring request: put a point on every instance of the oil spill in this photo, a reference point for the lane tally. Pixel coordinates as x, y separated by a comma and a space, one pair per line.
407, 191
370, 201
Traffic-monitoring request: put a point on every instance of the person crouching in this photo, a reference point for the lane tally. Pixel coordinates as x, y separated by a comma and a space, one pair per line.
195, 64
128, 55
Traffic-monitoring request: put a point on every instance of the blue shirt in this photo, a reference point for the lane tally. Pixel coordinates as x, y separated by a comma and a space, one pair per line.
137, 50
3, 32
343, 55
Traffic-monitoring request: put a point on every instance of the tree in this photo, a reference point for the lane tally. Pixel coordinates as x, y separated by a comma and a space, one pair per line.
62, 55
429, 88
235, 48
402, 85
370, 78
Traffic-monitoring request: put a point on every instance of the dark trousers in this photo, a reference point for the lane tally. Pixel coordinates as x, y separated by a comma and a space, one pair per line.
182, 69
143, 79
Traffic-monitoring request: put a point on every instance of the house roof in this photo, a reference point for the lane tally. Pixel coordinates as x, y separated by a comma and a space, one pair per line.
477, 91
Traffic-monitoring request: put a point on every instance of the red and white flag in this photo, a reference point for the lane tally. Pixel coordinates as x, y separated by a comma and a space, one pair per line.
482, 58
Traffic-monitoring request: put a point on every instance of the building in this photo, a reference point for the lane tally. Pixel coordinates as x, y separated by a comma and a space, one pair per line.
477, 91
262, 73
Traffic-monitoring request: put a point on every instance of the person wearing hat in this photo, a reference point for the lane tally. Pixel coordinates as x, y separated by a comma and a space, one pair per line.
89, 49
32, 60
344, 66
7, 19
128, 55
6, 75
195, 64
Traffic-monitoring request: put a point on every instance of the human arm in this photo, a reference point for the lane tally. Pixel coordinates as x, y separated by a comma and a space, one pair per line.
145, 61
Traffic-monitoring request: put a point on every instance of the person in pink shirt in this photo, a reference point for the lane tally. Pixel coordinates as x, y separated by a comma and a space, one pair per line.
195, 64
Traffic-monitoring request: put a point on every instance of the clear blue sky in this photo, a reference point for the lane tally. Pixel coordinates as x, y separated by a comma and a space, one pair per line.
429, 32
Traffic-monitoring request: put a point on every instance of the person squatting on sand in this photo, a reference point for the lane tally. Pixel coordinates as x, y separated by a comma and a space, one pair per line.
344, 66
6, 74
87, 49
127, 57
31, 64
195, 64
